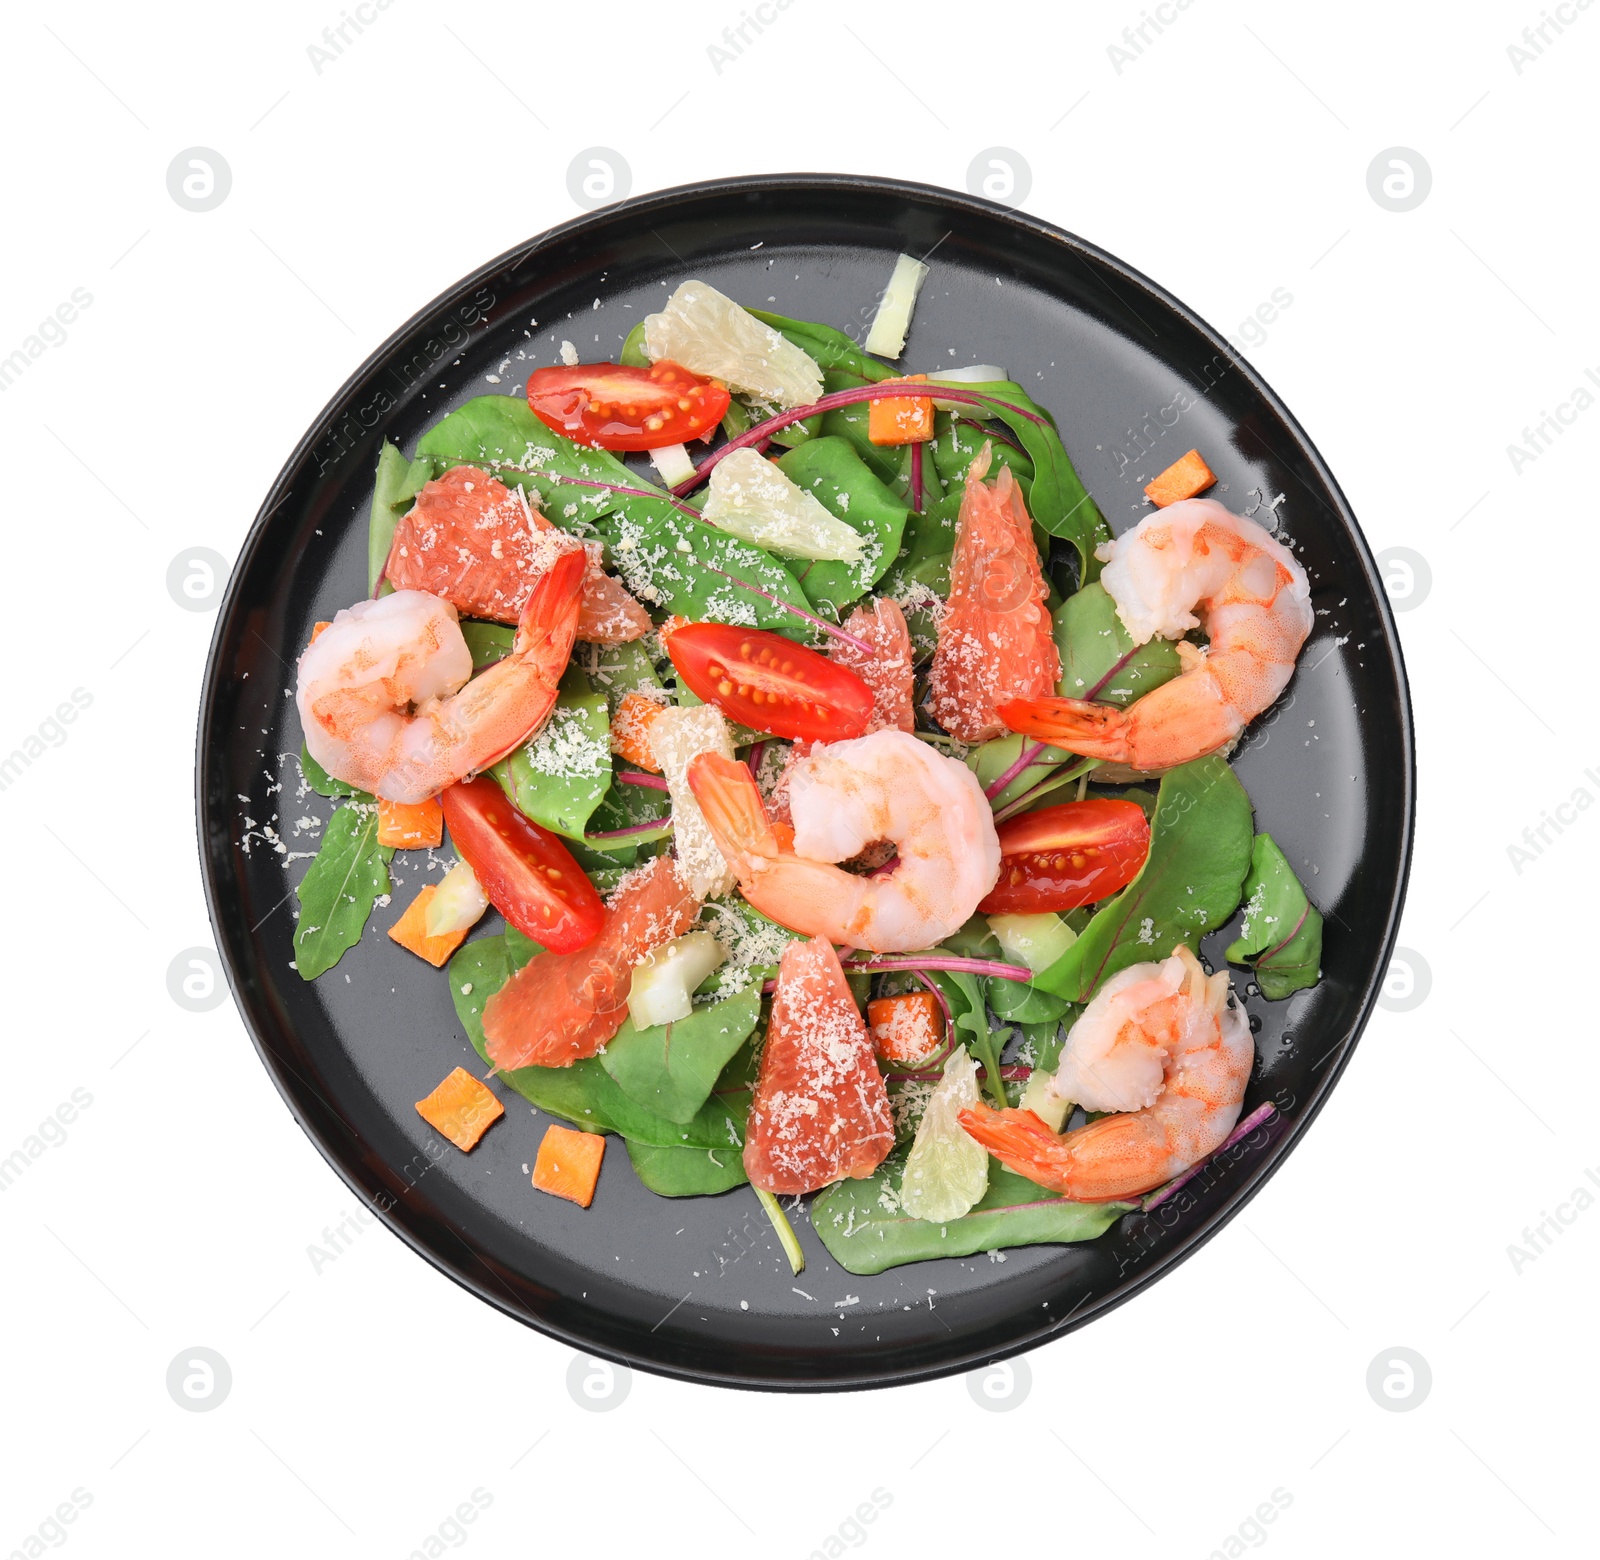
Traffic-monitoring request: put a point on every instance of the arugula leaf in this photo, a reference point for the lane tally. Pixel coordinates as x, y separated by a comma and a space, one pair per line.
686, 1172
559, 777
863, 1235
671, 1068
1282, 931
1098, 658
322, 782
832, 472
1017, 1002
970, 1024
1200, 848
339, 889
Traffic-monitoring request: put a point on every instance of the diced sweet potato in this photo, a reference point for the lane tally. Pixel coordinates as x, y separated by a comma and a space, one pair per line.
1186, 477
901, 419
908, 1028
569, 1164
411, 931
409, 826
630, 730
463, 1108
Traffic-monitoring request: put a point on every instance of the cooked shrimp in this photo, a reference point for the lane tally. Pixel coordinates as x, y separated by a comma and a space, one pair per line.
844, 797
1191, 565
384, 697
1162, 1047
995, 640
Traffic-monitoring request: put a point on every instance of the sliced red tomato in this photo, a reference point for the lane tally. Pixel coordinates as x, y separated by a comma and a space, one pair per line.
528, 874
770, 683
620, 408
1061, 857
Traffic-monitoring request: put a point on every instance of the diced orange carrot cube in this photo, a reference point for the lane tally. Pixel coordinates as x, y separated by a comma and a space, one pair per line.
411, 931
908, 1028
901, 419
569, 1164
630, 730
463, 1108
1186, 477
410, 826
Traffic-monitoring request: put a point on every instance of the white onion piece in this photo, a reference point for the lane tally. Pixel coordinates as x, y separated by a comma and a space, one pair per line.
663, 985
673, 463
887, 338
458, 902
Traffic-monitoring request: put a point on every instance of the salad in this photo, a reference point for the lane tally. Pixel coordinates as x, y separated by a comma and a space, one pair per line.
854, 804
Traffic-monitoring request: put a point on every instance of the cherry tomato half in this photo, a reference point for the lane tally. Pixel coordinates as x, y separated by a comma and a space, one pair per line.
770, 683
528, 874
1061, 857
620, 408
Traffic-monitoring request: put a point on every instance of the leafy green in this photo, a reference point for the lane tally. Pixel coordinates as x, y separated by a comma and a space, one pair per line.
850, 423
865, 1230
970, 1024
559, 777
1057, 499
1098, 659
827, 347
1200, 847
622, 669
671, 1068
488, 642
991, 759
392, 470
500, 433
957, 443
584, 1093
322, 782
633, 353
687, 1172
1017, 1002
831, 471
340, 888
668, 562
1282, 931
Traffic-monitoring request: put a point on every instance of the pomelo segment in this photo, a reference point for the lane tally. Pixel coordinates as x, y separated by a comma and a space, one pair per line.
820, 1111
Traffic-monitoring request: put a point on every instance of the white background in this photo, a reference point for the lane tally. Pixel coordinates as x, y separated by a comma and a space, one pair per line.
369, 1399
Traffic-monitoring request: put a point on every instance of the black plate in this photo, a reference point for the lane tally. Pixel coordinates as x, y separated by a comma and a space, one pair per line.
696, 1287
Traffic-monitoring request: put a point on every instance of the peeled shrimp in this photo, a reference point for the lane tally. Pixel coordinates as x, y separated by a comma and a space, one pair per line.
845, 796
384, 698
1191, 565
1162, 1047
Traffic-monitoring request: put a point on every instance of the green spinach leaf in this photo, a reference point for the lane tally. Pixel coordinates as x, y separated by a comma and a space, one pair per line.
865, 1230
488, 642
687, 1172
1282, 931
339, 889
559, 777
1098, 659
672, 1068
828, 348
1200, 848
831, 471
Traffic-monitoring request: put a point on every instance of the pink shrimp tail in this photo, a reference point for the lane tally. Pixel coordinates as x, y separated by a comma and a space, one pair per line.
1092, 730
